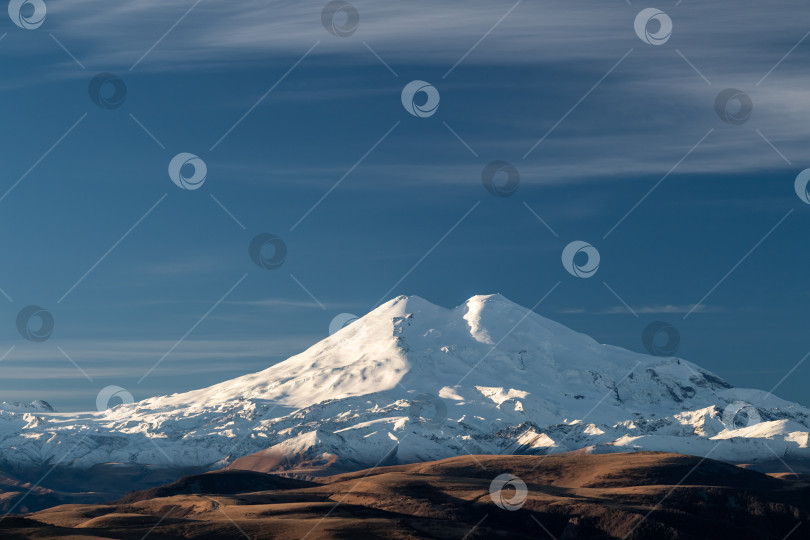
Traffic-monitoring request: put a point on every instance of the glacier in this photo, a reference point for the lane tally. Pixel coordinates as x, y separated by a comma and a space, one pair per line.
412, 381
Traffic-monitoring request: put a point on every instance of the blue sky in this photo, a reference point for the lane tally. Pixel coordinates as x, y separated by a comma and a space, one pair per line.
615, 115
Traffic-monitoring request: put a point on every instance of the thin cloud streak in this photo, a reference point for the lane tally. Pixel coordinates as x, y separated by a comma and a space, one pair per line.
111, 352
660, 309
109, 35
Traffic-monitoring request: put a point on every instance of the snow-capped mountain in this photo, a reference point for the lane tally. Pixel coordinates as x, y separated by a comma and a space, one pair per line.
412, 381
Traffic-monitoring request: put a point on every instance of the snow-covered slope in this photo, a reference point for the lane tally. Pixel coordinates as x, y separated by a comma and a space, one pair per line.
413, 381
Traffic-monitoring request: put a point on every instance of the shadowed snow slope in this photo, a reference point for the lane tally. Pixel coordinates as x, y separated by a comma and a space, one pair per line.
412, 381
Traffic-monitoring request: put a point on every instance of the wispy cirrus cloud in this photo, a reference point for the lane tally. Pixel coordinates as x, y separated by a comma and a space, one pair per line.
652, 309
112, 354
640, 121
304, 304
752, 38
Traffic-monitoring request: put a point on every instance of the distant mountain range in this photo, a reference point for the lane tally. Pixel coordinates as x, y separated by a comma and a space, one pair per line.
411, 382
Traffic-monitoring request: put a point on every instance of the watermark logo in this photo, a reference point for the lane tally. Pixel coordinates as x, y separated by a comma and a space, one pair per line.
577, 250
27, 14
661, 339
111, 392
187, 171
268, 251
428, 410
739, 414
503, 188
426, 109
341, 321
733, 106
351, 339
652, 16
801, 184
35, 331
108, 91
332, 14
501, 486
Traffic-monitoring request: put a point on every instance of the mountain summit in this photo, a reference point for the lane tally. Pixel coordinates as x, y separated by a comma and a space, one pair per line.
412, 381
